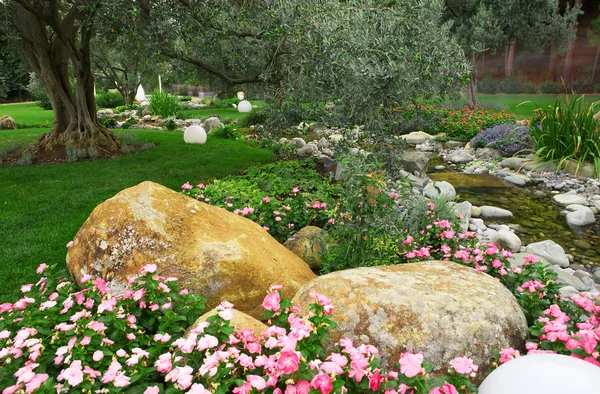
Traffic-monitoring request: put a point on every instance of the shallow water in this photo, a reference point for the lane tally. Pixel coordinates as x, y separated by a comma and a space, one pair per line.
537, 217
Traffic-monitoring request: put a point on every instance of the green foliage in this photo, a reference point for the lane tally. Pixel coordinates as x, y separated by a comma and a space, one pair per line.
184, 98
254, 118
109, 100
567, 131
126, 107
284, 151
38, 92
487, 86
109, 123
551, 87
164, 104
206, 100
227, 132
581, 85
171, 125
129, 123
224, 103
512, 85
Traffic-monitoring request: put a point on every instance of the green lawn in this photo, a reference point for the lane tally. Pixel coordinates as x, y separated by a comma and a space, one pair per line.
28, 115
42, 207
225, 114
510, 102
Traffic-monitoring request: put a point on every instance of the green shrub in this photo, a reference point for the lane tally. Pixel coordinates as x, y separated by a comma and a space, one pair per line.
109, 100
171, 125
566, 131
551, 87
224, 103
487, 86
164, 104
126, 107
206, 100
109, 123
509, 86
184, 98
254, 118
37, 90
227, 132
581, 85
128, 123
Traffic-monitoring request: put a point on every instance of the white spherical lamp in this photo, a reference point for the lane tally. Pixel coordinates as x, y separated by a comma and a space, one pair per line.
194, 135
543, 373
244, 106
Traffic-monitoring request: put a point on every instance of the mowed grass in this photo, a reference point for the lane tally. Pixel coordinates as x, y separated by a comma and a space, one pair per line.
28, 115
42, 207
522, 105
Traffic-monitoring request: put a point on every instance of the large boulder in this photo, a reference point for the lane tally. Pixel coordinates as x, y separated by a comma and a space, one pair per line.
460, 156
309, 245
212, 123
415, 161
581, 217
440, 189
213, 252
416, 137
444, 309
7, 123
240, 321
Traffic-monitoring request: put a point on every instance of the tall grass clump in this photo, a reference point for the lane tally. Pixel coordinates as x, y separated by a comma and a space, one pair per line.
164, 104
568, 131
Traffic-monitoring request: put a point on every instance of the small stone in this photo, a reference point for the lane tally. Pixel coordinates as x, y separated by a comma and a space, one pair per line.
566, 291
568, 199
581, 274
460, 156
416, 137
440, 189
300, 143
596, 276
212, 123
415, 161
518, 180
489, 212
475, 211
507, 240
308, 150
581, 217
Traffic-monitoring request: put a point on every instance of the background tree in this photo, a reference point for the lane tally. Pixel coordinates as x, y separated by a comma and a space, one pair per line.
481, 25
55, 37
14, 70
593, 36
568, 70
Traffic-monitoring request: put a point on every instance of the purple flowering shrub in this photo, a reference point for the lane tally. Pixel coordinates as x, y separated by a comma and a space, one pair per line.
59, 338
508, 138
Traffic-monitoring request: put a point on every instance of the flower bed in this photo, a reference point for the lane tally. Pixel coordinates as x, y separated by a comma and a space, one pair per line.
509, 138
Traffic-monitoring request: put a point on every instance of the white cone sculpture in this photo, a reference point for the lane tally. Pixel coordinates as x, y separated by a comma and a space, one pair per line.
543, 373
140, 95
244, 106
194, 135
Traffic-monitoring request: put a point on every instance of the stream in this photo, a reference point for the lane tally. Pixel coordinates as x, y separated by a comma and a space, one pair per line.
537, 217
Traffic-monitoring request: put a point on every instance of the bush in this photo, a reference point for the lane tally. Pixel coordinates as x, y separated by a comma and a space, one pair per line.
164, 104
171, 125
567, 131
128, 123
109, 100
581, 86
551, 87
205, 100
227, 132
109, 123
184, 98
37, 90
126, 107
509, 138
519, 85
224, 103
487, 86
254, 118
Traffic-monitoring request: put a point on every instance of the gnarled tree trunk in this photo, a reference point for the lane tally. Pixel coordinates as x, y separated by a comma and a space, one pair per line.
76, 132
472, 86
510, 61
553, 62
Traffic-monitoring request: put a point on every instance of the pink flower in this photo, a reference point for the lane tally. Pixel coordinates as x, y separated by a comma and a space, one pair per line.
266, 199
152, 390
288, 362
322, 382
73, 374
186, 186
464, 365
257, 382
163, 364
98, 355
36, 382
148, 268
197, 388
182, 376
69, 244
447, 388
295, 190
410, 364
271, 301
41, 269
508, 354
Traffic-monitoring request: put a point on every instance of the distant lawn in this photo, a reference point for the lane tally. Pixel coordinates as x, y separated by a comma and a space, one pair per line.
510, 102
28, 115
43, 206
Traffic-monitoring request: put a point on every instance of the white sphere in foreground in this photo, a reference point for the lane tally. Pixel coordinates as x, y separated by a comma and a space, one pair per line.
543, 373
194, 135
244, 106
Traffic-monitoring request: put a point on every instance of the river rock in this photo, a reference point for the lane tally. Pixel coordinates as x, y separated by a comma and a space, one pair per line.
489, 212
464, 209
300, 143
453, 144
596, 276
568, 279
440, 189
308, 150
549, 250
460, 156
566, 291
416, 137
581, 217
514, 163
213, 252
415, 161
507, 240
475, 211
518, 259
7, 123
240, 321
444, 309
516, 179
568, 199
487, 154
212, 123
309, 245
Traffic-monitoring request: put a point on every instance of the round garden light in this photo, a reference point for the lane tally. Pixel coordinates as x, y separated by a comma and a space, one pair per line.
194, 135
245, 106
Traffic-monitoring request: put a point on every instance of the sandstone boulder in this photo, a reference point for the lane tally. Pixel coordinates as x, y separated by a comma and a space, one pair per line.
7, 123
240, 320
212, 123
309, 245
213, 252
444, 309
